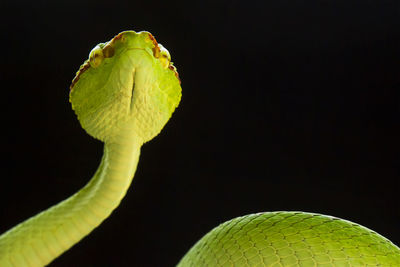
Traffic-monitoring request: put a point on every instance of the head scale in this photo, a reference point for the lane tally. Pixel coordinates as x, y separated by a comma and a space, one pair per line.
127, 84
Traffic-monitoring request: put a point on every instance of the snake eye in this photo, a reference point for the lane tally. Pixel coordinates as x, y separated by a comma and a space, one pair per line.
96, 56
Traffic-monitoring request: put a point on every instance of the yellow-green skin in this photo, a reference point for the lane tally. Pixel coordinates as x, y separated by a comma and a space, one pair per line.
123, 95
283, 239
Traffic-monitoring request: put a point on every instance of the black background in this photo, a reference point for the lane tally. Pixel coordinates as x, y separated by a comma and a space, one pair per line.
287, 105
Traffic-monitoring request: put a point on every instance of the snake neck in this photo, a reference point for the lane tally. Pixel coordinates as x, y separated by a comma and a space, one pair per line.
112, 179
42, 238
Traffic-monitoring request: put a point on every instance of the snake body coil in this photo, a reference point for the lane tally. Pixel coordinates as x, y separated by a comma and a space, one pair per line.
291, 239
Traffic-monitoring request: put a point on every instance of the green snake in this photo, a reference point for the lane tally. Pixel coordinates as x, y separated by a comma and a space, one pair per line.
123, 95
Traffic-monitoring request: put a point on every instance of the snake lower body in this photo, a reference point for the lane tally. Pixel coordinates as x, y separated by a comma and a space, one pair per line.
283, 239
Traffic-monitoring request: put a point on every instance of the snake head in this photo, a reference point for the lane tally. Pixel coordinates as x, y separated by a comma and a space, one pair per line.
126, 84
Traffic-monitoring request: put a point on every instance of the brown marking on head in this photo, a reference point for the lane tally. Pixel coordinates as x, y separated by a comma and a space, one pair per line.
84, 67
117, 37
151, 37
156, 50
173, 68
